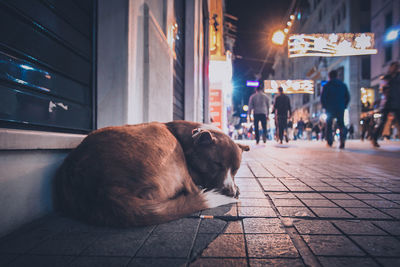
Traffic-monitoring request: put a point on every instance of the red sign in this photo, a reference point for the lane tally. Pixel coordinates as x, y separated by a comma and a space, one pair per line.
216, 107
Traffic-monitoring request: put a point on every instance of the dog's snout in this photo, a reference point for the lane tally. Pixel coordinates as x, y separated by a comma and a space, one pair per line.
231, 191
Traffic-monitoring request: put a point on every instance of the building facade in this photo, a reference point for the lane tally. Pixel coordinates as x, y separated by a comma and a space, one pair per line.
385, 16
326, 16
70, 67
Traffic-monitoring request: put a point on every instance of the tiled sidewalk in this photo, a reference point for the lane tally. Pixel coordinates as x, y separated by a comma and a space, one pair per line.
301, 204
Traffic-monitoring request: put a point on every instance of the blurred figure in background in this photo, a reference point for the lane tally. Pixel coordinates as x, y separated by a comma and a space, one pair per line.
391, 90
300, 128
316, 130
334, 99
351, 131
282, 111
259, 103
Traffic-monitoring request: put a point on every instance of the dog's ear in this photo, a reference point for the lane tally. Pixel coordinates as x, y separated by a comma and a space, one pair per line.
202, 137
243, 147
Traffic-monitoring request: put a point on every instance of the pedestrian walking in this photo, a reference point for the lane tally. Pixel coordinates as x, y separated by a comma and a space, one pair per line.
316, 130
334, 99
300, 128
351, 131
282, 110
391, 90
309, 127
259, 104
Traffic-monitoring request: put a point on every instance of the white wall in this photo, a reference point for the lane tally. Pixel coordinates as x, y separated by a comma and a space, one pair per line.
25, 185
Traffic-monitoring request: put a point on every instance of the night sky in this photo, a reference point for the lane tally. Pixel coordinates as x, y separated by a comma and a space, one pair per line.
257, 20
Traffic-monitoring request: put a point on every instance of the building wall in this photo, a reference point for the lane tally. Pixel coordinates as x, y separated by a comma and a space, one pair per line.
134, 85
379, 10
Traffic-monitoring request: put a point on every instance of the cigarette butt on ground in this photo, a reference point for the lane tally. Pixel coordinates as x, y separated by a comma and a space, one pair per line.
206, 217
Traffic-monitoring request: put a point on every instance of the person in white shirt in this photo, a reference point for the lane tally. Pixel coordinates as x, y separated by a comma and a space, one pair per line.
259, 103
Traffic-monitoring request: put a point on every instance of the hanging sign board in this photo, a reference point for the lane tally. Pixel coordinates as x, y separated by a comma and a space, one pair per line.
289, 86
331, 45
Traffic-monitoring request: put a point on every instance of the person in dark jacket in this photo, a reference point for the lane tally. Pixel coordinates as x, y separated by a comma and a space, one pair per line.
334, 99
282, 109
392, 96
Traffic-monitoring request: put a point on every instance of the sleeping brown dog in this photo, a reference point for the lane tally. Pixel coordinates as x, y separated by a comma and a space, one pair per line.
148, 173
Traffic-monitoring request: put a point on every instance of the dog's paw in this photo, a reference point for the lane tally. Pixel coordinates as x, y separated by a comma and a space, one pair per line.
214, 199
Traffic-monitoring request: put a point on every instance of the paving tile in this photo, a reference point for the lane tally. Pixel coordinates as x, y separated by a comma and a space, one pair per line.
349, 189
263, 226
221, 262
64, 246
276, 195
347, 261
256, 212
390, 262
358, 228
350, 203
276, 262
392, 212
390, 196
391, 227
319, 203
202, 242
164, 262
115, 244
254, 202
382, 204
333, 245
270, 246
325, 189
315, 227
386, 246
227, 210
234, 228
226, 245
287, 202
177, 226
167, 245
212, 226
42, 261
367, 213
23, 241
331, 213
366, 196
309, 196
337, 196
7, 258
251, 195
295, 212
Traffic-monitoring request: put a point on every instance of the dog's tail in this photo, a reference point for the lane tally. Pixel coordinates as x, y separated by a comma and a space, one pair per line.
129, 211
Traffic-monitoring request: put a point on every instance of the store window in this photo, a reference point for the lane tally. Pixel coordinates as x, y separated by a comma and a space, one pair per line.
47, 65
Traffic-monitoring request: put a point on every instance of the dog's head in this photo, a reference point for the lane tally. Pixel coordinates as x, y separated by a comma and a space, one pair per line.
214, 159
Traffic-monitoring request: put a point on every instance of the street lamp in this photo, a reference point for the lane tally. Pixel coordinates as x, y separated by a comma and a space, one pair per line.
278, 37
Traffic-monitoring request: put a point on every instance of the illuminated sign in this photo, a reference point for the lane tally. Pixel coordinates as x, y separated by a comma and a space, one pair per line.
289, 86
216, 107
331, 45
392, 35
252, 83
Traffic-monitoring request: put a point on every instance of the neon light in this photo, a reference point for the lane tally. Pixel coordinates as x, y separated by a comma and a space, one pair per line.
331, 45
252, 83
289, 86
392, 35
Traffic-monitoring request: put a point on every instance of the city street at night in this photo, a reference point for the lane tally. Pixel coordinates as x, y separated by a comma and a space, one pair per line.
301, 204
213, 133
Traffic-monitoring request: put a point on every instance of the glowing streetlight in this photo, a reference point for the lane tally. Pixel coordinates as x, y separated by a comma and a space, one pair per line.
286, 30
292, 17
278, 37
289, 23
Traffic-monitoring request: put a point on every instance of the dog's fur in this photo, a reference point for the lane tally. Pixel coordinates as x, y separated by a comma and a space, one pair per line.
148, 173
